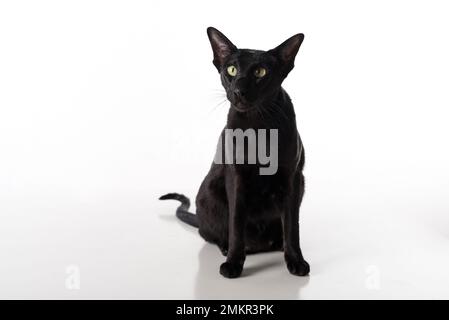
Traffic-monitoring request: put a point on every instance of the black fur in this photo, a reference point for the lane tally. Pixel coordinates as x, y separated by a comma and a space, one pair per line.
237, 208
182, 212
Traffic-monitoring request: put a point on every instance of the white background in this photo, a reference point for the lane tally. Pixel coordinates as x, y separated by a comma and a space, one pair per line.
106, 105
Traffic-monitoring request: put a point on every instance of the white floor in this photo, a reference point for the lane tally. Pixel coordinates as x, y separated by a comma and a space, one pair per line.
124, 245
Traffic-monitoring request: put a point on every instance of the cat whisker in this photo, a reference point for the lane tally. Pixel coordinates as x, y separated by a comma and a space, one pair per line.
218, 105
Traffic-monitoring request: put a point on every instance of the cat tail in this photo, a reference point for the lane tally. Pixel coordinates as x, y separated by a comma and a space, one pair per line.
182, 211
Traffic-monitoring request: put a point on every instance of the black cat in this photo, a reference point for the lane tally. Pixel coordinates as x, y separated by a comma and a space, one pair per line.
239, 209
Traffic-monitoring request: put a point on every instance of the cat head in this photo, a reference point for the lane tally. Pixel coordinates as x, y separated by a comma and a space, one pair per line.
251, 77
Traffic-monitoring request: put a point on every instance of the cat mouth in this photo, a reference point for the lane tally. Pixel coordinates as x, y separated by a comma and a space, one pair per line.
241, 107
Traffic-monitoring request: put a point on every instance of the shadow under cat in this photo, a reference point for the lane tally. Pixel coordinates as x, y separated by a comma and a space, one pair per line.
265, 275
274, 282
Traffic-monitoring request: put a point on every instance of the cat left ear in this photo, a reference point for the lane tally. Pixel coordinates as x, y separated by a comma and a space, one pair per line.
287, 51
221, 46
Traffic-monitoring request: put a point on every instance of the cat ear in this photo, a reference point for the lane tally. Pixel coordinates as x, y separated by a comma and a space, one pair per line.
287, 50
221, 46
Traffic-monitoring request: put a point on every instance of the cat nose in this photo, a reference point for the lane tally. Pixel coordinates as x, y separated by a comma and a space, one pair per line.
239, 94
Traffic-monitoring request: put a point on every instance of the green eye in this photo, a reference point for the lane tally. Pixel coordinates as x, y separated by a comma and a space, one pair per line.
232, 71
260, 72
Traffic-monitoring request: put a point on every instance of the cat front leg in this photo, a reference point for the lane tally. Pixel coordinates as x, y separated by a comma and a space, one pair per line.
233, 266
290, 222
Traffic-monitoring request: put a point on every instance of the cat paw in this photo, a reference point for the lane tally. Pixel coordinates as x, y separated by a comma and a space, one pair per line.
231, 270
298, 267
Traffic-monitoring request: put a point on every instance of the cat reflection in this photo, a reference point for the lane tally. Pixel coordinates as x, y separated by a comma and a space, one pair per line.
272, 283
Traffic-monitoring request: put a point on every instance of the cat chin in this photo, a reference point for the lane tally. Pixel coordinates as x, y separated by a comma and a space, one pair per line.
242, 109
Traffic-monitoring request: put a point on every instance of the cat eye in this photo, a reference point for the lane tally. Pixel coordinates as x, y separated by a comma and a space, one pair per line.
260, 72
232, 71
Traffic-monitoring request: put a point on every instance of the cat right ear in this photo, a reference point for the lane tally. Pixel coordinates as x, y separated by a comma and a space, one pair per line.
221, 46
